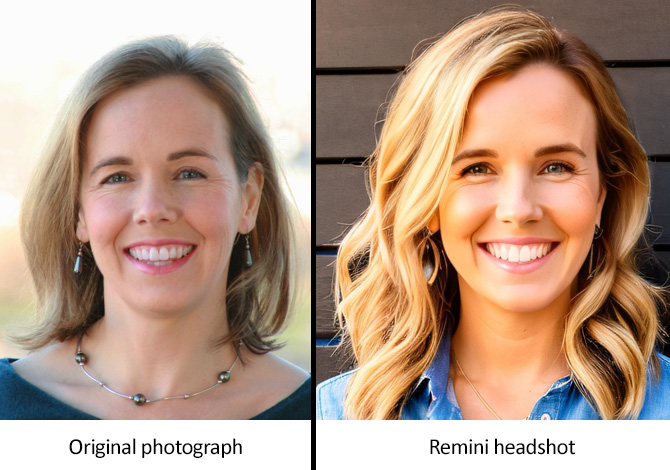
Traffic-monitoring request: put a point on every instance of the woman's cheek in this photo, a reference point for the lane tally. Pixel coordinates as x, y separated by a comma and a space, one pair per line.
464, 210
103, 214
573, 207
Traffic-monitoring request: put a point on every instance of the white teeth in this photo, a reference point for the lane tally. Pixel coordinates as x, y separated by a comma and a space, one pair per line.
518, 253
159, 256
513, 254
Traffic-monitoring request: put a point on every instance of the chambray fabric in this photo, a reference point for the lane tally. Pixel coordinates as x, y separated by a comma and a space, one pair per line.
434, 398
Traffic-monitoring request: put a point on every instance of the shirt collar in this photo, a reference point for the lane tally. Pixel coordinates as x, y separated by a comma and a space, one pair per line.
438, 370
435, 392
436, 378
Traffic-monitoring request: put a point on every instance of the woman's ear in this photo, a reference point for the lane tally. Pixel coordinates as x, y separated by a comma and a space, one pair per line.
251, 198
434, 223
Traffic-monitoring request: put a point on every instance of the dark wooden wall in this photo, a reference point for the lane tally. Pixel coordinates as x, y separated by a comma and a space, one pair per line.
363, 45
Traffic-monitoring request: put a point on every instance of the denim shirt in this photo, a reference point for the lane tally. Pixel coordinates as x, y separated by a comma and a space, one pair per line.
434, 397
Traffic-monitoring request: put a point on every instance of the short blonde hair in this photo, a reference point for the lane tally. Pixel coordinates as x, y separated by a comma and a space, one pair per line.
393, 319
258, 299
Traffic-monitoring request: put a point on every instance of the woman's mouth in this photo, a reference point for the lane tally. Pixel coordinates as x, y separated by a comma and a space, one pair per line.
518, 253
160, 255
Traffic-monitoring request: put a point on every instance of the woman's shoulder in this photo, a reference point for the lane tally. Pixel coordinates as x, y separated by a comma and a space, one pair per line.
330, 396
21, 399
298, 405
664, 372
657, 398
277, 388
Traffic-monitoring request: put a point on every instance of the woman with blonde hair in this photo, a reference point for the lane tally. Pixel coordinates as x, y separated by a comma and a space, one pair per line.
160, 245
493, 274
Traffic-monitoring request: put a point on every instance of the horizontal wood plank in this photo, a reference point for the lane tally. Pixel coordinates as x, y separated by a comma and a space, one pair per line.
325, 307
341, 197
331, 361
383, 33
645, 93
347, 107
660, 201
664, 258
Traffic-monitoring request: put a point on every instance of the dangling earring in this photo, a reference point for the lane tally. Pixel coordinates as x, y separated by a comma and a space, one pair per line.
77, 262
430, 258
248, 262
597, 233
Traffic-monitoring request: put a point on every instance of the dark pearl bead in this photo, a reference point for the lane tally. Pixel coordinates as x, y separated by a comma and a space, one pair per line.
80, 358
224, 377
248, 262
139, 399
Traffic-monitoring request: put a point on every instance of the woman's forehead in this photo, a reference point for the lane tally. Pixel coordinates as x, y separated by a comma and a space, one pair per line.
166, 112
539, 103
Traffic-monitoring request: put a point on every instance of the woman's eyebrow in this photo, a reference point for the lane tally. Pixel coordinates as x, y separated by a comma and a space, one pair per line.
111, 161
121, 160
192, 152
542, 151
559, 148
474, 153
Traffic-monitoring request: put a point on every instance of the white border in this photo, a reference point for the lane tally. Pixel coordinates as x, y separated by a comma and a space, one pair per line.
406, 444
271, 445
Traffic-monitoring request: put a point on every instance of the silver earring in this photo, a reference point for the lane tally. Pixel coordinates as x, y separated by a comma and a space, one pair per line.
77, 262
248, 261
430, 258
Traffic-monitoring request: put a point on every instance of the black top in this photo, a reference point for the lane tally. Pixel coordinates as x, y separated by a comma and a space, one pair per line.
19, 399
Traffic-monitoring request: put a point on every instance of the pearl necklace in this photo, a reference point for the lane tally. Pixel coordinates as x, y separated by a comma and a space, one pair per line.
139, 399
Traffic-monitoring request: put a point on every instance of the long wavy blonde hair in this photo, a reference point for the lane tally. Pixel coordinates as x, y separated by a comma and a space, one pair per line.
258, 300
393, 320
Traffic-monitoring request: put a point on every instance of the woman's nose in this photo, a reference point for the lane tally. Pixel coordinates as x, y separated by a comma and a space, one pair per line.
517, 201
155, 203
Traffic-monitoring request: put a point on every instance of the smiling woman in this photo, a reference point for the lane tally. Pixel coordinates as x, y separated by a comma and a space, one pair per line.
499, 281
167, 202
517, 203
160, 245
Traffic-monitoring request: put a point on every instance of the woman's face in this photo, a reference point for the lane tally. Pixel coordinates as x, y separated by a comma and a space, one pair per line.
524, 193
161, 202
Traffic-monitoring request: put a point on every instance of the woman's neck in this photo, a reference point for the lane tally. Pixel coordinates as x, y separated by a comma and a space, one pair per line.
495, 345
157, 355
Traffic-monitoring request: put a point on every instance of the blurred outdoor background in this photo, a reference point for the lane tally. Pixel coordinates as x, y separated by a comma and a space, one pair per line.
46, 47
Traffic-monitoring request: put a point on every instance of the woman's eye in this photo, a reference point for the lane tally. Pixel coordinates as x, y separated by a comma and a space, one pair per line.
476, 169
190, 174
116, 178
557, 168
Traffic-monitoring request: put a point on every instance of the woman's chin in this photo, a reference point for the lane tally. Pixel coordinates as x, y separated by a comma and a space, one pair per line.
523, 299
162, 303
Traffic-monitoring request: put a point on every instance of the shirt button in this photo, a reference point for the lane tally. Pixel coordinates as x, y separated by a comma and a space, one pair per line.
545, 417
